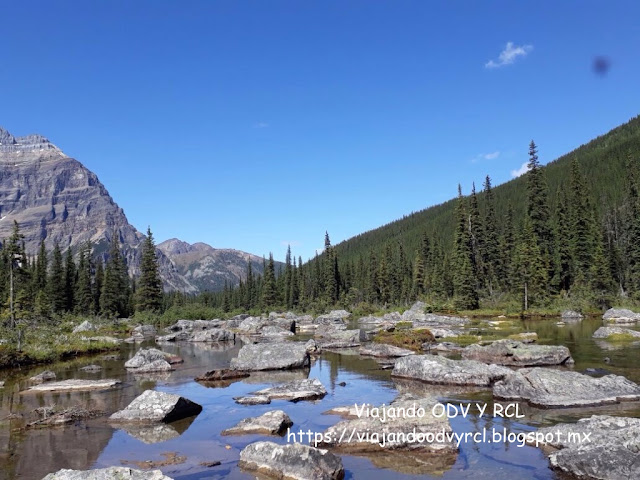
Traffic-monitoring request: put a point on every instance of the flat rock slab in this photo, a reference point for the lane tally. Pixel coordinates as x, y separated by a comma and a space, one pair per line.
252, 400
152, 406
518, 354
384, 351
606, 332
621, 315
307, 389
274, 422
271, 356
550, 388
407, 414
602, 447
444, 371
111, 473
291, 461
222, 374
74, 385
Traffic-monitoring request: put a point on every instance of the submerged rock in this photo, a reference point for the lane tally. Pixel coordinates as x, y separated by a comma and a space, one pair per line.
551, 388
619, 332
153, 406
253, 400
274, 422
518, 354
621, 315
119, 473
46, 376
271, 356
602, 447
291, 461
384, 350
74, 385
307, 389
442, 370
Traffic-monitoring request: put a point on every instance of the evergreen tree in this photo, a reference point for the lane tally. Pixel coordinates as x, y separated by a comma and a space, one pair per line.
464, 280
269, 285
84, 294
70, 274
529, 267
56, 284
331, 276
601, 282
538, 205
149, 287
114, 299
491, 246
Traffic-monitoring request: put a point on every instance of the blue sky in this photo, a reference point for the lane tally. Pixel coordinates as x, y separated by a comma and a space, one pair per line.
253, 124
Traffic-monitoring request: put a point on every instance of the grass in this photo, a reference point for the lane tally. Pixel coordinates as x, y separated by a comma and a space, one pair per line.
622, 337
411, 339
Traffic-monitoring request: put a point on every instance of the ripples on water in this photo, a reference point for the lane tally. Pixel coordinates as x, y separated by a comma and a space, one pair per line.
94, 444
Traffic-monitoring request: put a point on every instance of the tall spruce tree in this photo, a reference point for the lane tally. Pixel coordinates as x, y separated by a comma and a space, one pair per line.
464, 279
530, 277
491, 246
149, 286
116, 288
269, 298
538, 205
70, 274
84, 294
56, 284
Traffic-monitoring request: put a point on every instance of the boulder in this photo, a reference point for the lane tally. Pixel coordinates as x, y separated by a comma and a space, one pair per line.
120, 473
312, 347
252, 400
551, 388
212, 335
602, 447
85, 326
307, 389
444, 333
620, 315
256, 325
339, 338
151, 360
74, 385
617, 332
274, 422
384, 350
571, 315
442, 347
291, 461
444, 371
271, 356
518, 354
406, 415
46, 376
143, 332
152, 406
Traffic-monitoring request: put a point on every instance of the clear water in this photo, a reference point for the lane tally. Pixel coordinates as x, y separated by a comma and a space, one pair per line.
31, 454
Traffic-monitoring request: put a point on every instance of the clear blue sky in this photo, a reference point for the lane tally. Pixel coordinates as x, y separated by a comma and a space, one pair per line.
253, 124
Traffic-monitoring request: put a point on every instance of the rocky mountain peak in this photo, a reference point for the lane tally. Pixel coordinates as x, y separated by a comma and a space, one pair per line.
28, 143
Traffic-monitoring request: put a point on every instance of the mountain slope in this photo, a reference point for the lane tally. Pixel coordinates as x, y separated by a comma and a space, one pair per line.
602, 161
208, 268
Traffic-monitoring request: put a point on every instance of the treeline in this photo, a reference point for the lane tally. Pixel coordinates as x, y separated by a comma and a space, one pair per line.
50, 284
572, 250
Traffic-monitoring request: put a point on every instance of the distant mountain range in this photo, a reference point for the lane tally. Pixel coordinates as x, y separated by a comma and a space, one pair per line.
57, 199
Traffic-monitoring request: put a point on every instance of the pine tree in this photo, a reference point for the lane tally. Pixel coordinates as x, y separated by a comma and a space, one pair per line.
562, 251
538, 205
601, 282
114, 300
464, 279
69, 280
491, 247
581, 230
149, 286
331, 276
529, 267
84, 294
56, 282
269, 284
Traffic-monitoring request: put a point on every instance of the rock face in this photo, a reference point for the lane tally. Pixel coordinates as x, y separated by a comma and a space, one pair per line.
74, 385
385, 351
208, 268
444, 371
271, 356
307, 389
603, 447
518, 354
149, 360
152, 406
120, 473
291, 461
274, 422
606, 332
621, 315
550, 388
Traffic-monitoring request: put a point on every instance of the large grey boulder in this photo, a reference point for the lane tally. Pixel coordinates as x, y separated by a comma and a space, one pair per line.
619, 332
271, 356
274, 422
551, 388
153, 406
150, 360
383, 350
291, 461
442, 370
621, 315
85, 326
571, 315
143, 332
212, 335
111, 473
333, 338
256, 325
294, 391
601, 447
46, 376
518, 354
